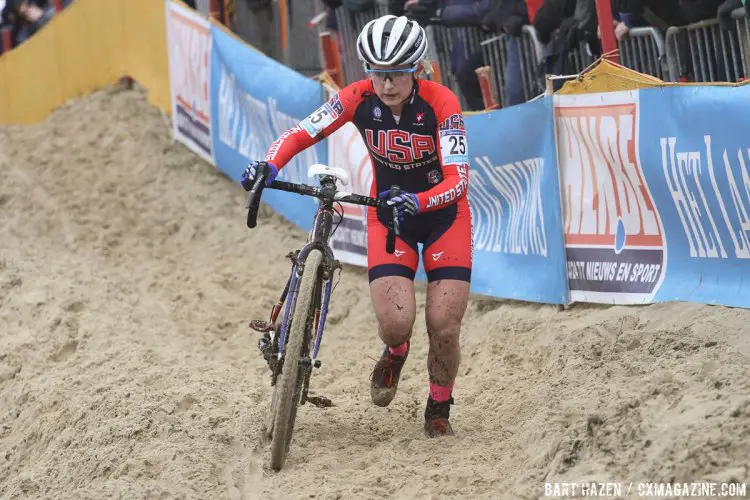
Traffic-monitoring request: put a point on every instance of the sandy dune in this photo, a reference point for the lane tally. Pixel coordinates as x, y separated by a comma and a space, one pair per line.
127, 278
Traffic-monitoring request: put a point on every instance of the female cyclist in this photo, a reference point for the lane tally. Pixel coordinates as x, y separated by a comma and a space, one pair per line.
414, 132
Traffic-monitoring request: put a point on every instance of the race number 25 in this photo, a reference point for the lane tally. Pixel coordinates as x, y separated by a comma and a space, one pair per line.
458, 144
453, 146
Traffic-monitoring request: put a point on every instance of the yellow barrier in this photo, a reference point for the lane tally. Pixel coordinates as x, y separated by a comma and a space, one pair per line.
88, 46
605, 76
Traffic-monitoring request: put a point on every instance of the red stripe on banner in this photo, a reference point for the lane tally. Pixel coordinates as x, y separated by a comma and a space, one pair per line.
185, 104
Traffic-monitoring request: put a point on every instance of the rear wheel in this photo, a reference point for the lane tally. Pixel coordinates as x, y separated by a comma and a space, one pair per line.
289, 387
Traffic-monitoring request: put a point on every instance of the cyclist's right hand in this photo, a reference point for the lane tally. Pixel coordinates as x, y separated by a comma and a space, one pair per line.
248, 176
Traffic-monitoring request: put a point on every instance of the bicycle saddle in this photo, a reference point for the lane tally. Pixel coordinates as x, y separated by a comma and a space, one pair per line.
320, 170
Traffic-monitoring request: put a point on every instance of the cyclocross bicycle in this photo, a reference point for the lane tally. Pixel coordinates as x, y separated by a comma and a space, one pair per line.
291, 349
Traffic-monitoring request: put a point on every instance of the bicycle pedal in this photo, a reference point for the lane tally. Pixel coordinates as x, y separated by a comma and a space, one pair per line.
320, 401
261, 326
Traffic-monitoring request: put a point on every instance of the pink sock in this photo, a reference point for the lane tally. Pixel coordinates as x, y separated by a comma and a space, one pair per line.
441, 393
399, 350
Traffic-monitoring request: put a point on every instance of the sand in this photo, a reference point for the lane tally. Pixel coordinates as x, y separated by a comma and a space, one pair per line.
127, 370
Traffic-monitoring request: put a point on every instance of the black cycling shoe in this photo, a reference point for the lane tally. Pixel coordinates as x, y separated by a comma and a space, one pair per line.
436, 418
384, 378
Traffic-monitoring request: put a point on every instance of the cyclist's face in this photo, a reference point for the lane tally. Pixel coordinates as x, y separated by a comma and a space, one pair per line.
394, 86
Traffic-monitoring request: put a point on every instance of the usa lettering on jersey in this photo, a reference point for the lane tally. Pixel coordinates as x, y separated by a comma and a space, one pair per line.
405, 166
453, 145
399, 146
455, 121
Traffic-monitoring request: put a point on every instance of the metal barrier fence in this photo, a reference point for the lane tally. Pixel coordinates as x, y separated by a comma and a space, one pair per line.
702, 51
580, 58
440, 45
709, 53
441, 42
259, 28
303, 47
349, 25
282, 31
530, 54
495, 52
444, 41
643, 51
204, 6
742, 27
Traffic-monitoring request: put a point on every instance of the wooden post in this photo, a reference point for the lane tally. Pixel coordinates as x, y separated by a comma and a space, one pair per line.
284, 30
485, 76
549, 85
7, 41
331, 58
214, 10
227, 9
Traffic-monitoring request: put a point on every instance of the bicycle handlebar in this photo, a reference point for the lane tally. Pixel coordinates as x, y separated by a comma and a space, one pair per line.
255, 193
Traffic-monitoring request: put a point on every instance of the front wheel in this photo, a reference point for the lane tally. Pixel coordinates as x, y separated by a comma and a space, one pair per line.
290, 385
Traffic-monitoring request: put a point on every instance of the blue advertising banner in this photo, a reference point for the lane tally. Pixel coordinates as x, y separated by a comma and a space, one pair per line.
699, 173
656, 202
515, 199
618, 197
254, 99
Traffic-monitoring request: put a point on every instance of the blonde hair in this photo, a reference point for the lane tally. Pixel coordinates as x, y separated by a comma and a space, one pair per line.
424, 68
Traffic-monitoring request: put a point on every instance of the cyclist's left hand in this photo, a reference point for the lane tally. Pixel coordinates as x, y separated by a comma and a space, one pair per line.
407, 203
248, 176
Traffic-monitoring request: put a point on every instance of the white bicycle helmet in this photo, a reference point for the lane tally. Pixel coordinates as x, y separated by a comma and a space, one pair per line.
391, 41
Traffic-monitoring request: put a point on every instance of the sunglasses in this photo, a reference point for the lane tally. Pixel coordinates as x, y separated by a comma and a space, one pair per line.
393, 75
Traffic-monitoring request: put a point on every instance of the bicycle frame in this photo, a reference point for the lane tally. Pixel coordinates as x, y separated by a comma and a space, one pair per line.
321, 233
305, 315
318, 238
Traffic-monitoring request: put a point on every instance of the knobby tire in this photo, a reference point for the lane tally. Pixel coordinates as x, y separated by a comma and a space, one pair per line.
291, 380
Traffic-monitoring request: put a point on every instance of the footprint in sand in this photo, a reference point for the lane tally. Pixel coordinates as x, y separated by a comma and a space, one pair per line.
65, 352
